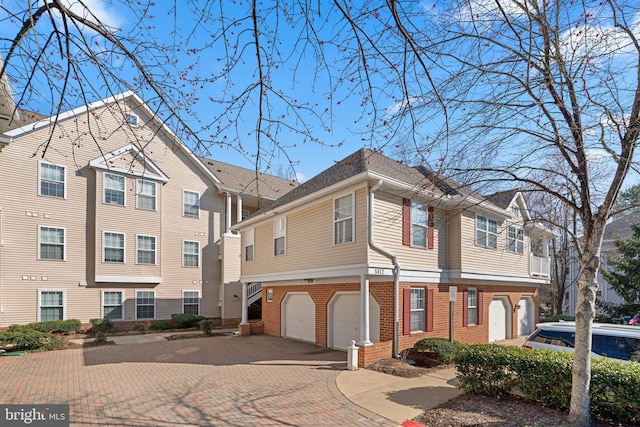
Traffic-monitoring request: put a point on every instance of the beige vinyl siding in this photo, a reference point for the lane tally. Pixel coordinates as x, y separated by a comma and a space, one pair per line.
84, 216
309, 240
498, 261
454, 240
388, 233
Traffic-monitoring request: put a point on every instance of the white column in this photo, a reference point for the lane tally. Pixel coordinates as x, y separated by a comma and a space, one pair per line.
364, 311
228, 214
245, 307
239, 208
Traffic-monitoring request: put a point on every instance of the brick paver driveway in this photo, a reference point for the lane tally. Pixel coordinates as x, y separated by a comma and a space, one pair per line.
238, 381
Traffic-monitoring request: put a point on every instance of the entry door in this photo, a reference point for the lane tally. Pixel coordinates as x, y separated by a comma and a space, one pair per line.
526, 316
497, 320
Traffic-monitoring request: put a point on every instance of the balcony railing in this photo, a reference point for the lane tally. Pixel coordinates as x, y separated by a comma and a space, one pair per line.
540, 266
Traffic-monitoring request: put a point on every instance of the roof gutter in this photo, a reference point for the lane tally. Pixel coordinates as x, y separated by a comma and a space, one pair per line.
396, 271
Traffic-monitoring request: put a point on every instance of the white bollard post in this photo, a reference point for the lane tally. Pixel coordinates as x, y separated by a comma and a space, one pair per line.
352, 356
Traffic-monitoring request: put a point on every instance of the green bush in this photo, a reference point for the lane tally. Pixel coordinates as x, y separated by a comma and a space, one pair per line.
139, 327
442, 347
205, 326
545, 376
104, 326
53, 326
162, 325
484, 368
30, 339
184, 320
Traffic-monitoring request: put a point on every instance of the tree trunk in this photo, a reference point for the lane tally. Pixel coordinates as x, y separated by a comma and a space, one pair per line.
585, 313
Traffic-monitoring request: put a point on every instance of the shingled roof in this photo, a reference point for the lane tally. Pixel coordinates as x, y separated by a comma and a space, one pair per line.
621, 226
262, 185
502, 199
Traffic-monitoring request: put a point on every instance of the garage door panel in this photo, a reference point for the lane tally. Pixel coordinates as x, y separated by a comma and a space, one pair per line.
497, 320
526, 317
299, 317
345, 319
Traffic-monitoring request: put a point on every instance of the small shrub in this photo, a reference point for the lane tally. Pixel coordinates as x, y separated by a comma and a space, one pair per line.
30, 339
139, 327
184, 320
101, 325
100, 338
484, 368
162, 325
57, 326
205, 326
444, 349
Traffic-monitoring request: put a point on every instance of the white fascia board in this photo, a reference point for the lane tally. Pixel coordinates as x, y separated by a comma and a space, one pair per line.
454, 275
69, 114
407, 274
153, 172
128, 279
354, 270
541, 229
224, 189
479, 205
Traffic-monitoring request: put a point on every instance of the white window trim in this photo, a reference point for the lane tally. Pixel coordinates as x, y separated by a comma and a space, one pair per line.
102, 302
515, 240
124, 248
183, 254
139, 188
191, 290
155, 251
425, 225
487, 232
279, 232
249, 241
353, 216
64, 168
185, 190
64, 245
472, 322
104, 189
155, 305
412, 310
64, 302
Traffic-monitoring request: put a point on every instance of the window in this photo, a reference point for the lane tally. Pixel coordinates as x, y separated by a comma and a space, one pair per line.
112, 307
248, 245
418, 225
472, 307
343, 219
51, 305
146, 195
113, 189
52, 243
486, 232
516, 211
52, 180
279, 236
417, 309
113, 247
145, 249
515, 239
145, 304
191, 204
190, 253
132, 119
191, 302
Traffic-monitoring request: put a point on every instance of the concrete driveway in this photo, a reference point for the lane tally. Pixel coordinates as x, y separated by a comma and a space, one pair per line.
224, 380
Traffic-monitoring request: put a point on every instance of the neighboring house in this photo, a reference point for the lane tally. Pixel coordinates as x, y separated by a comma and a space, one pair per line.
327, 254
620, 227
108, 214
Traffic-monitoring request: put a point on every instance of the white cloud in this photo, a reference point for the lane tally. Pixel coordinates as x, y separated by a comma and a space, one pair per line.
300, 177
399, 106
90, 8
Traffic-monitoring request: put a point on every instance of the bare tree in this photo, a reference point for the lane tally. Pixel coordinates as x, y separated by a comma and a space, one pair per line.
486, 91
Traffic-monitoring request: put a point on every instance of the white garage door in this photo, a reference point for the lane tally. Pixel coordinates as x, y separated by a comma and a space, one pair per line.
526, 316
497, 320
344, 319
299, 317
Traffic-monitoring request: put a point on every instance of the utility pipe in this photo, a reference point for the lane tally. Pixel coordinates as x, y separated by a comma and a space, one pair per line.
396, 270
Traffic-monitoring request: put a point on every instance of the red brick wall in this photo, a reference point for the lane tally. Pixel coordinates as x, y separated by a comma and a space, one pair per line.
372, 353
383, 293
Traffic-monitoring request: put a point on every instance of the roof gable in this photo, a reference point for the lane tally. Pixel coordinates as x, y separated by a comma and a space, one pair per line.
129, 160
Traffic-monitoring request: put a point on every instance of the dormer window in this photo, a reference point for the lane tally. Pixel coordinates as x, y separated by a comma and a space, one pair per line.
132, 119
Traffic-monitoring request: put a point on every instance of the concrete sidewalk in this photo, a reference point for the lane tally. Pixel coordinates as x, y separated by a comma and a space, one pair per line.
396, 398
152, 337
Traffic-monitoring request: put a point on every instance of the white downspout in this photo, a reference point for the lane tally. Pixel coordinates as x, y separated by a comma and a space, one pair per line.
396, 271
